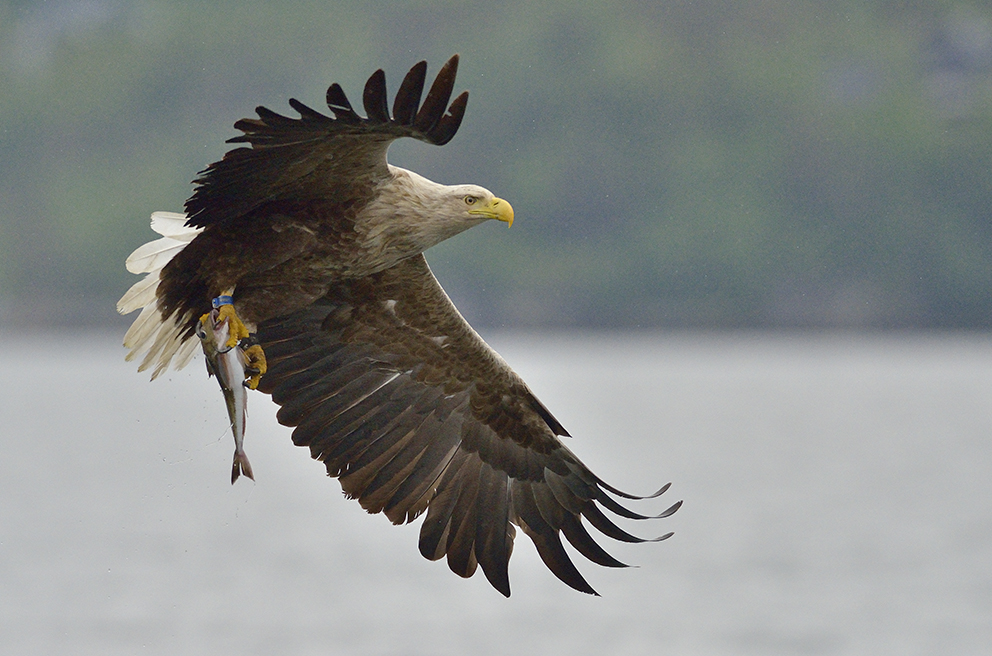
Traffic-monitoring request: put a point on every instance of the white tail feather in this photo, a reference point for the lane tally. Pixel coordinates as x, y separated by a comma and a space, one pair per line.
173, 224
185, 353
141, 329
159, 340
168, 339
141, 294
154, 255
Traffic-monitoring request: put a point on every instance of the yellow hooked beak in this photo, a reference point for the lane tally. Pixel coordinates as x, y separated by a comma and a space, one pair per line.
497, 209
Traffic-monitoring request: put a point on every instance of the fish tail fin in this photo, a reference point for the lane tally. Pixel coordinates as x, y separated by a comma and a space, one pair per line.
241, 466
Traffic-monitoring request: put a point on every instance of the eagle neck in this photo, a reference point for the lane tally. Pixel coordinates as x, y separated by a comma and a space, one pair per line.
405, 217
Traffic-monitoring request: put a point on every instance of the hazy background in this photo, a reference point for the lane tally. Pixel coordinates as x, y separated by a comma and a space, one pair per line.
674, 166
774, 163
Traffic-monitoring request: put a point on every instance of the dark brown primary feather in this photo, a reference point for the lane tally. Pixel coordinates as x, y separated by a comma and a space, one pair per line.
399, 397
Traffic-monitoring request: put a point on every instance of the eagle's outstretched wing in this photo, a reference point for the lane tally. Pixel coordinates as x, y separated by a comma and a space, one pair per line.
412, 411
317, 157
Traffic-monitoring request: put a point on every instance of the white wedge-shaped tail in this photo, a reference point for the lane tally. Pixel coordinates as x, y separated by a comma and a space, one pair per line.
154, 338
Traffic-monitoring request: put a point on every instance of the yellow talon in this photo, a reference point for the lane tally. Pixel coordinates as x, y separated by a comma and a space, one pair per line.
255, 363
236, 328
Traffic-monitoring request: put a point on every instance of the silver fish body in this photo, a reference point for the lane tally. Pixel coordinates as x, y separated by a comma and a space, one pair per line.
227, 363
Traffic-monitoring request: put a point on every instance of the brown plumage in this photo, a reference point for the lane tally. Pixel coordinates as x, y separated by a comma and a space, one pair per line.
372, 365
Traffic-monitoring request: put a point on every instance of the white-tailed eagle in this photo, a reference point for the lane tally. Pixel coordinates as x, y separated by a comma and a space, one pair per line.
300, 259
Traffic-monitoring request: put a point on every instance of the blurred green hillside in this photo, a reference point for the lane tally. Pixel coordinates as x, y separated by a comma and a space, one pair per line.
766, 163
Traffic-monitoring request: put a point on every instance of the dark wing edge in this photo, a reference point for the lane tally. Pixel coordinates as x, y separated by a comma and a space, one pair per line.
283, 150
388, 385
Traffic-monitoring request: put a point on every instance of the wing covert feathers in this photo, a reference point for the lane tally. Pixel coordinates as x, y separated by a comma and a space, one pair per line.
402, 401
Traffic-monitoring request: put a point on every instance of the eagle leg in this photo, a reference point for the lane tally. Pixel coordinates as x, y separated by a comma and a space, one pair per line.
236, 327
255, 364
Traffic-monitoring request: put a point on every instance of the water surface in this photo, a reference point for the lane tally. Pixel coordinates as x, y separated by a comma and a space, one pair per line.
838, 500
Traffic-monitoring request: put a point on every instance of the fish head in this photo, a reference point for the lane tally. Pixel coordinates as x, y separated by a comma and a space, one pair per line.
213, 331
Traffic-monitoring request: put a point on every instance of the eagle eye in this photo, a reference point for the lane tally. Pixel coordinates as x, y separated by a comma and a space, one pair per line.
470, 200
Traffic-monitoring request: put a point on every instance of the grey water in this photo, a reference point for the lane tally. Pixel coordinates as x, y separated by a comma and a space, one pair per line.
838, 500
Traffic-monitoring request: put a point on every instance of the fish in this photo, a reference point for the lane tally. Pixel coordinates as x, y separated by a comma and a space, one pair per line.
228, 364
